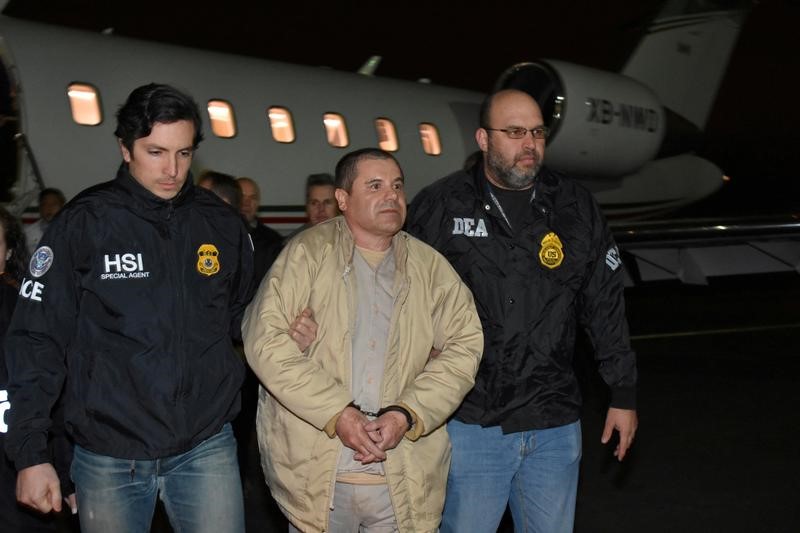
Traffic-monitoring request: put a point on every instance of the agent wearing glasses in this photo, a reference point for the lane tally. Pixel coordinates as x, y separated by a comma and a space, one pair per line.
540, 260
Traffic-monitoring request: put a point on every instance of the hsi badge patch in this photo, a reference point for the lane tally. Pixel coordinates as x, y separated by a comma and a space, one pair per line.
207, 259
551, 255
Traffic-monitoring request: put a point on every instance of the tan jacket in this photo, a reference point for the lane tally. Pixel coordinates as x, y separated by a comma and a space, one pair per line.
306, 390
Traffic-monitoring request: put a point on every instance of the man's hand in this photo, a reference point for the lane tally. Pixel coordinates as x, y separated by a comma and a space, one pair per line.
388, 430
303, 330
38, 487
625, 421
72, 501
351, 431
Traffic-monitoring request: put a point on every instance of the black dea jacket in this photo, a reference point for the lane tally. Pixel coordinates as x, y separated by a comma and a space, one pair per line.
132, 300
533, 285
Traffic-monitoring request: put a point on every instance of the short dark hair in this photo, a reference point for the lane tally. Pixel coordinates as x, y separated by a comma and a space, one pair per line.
153, 103
15, 242
224, 186
52, 191
319, 180
347, 166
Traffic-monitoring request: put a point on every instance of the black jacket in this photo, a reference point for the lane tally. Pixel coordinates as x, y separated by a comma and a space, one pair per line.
133, 299
268, 243
529, 311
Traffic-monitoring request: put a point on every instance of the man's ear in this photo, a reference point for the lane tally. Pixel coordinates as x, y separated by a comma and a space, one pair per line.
341, 199
126, 154
482, 138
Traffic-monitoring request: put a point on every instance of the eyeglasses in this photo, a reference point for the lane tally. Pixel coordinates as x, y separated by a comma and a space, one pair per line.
540, 132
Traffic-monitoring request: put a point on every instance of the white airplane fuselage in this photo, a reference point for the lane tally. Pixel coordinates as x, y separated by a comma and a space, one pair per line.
607, 128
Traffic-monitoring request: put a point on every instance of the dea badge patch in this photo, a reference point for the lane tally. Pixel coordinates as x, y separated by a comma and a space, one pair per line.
551, 254
41, 261
207, 259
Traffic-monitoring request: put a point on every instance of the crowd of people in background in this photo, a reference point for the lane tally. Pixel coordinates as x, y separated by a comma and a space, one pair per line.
161, 343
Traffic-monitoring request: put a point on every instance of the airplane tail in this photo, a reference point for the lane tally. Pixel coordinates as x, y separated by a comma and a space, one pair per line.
685, 51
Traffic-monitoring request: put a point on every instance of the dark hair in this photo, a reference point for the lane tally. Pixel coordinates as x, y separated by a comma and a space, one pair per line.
224, 186
48, 191
347, 166
15, 242
319, 180
153, 103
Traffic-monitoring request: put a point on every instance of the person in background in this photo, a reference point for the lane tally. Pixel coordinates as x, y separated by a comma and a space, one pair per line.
132, 299
266, 241
537, 253
51, 200
223, 185
259, 506
351, 429
320, 201
17, 519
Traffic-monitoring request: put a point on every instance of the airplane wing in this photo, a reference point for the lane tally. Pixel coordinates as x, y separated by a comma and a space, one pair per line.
692, 251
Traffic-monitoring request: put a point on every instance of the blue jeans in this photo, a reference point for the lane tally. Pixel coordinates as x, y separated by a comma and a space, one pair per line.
200, 489
535, 472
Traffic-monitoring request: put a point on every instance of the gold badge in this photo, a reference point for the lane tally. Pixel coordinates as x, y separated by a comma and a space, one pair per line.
551, 255
207, 259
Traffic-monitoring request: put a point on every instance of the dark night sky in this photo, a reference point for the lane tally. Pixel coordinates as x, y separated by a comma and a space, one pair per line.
751, 133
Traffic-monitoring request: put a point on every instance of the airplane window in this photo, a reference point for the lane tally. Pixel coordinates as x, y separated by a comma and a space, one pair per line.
336, 129
387, 135
280, 120
220, 113
85, 104
429, 136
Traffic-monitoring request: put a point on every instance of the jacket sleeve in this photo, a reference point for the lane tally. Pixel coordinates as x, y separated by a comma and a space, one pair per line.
294, 379
62, 449
440, 388
40, 331
602, 313
244, 283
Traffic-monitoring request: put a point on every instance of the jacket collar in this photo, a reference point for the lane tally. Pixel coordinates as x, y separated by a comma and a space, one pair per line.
147, 202
399, 244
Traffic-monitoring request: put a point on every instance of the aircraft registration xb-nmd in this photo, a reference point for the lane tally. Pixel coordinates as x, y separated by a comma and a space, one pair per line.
624, 135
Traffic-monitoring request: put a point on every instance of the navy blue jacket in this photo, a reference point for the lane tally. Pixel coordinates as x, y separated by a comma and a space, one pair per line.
533, 286
132, 300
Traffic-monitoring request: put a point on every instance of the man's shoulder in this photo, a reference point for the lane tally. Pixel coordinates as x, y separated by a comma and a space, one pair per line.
265, 234
566, 190
210, 207
323, 236
422, 253
458, 183
272, 233
326, 231
100, 197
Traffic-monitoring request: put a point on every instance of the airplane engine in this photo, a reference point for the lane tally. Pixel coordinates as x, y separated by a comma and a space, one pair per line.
602, 124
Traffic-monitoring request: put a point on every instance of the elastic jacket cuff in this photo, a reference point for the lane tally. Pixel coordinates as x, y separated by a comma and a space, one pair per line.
623, 397
34, 453
417, 427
